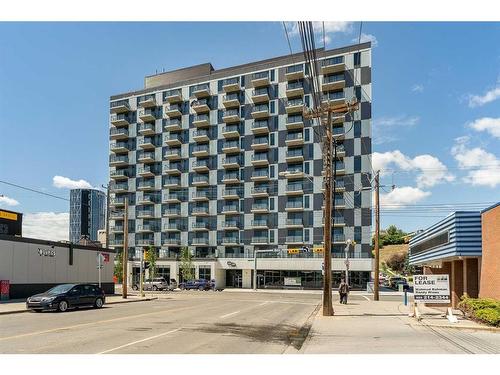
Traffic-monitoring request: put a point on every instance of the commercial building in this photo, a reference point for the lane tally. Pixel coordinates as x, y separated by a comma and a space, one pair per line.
11, 223
490, 265
87, 214
33, 266
223, 162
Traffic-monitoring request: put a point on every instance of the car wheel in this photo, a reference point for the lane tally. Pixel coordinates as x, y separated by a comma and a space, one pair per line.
62, 306
98, 303
200, 288
182, 287
134, 287
155, 287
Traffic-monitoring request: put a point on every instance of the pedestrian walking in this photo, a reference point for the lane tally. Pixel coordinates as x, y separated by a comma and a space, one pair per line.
343, 291
212, 282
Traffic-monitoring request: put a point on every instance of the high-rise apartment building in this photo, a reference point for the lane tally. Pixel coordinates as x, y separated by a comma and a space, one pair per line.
87, 214
224, 163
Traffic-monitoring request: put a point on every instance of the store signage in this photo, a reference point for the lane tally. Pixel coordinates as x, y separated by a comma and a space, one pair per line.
46, 252
292, 281
8, 215
293, 251
431, 288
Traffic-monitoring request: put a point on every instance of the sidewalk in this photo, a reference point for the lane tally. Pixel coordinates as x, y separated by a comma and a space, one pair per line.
311, 291
19, 305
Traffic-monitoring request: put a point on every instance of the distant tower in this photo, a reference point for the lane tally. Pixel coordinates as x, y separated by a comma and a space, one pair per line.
87, 213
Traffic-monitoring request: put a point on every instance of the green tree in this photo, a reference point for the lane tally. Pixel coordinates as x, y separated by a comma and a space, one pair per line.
186, 265
118, 269
151, 257
408, 269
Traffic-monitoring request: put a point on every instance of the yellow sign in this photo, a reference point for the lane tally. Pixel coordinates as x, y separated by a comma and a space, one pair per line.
8, 215
293, 251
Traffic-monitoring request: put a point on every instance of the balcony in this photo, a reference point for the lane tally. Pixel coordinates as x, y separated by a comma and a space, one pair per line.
119, 187
146, 171
147, 101
116, 229
201, 135
294, 122
200, 166
340, 151
173, 227
295, 223
200, 91
120, 106
119, 147
172, 154
173, 96
259, 240
119, 174
334, 97
172, 198
294, 72
199, 241
259, 224
231, 178
119, 119
118, 160
201, 195
231, 162
338, 132
145, 214
230, 194
231, 131
200, 106
200, 181
146, 199
339, 166
294, 173
230, 241
260, 95
294, 139
116, 242
146, 115
294, 189
147, 228
339, 203
338, 239
172, 169
146, 129
260, 143
260, 175
172, 124
171, 212
294, 206
294, 155
260, 111
171, 241
231, 100
200, 150
118, 133
260, 79
173, 110
146, 185
261, 158
259, 208
146, 157
231, 85
117, 202
231, 115
200, 211
260, 127
146, 143
230, 209
333, 65
200, 226
230, 225
333, 82
172, 183
231, 147
172, 139
201, 121
294, 106
294, 240
294, 89
260, 192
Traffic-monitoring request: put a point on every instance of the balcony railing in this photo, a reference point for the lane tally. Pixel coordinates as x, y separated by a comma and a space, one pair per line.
334, 96
173, 226
294, 136
264, 173
294, 187
118, 159
118, 132
200, 240
298, 221
229, 208
294, 85
172, 124
146, 185
230, 240
293, 119
230, 224
334, 78
294, 69
200, 225
260, 206
260, 156
338, 238
120, 106
295, 239
259, 223
260, 190
200, 164
171, 211
145, 213
200, 179
200, 210
294, 153
294, 204
260, 239
201, 194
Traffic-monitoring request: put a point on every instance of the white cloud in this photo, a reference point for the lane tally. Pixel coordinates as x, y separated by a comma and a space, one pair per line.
46, 225
366, 38
491, 125
330, 29
489, 96
67, 183
431, 170
483, 168
8, 201
385, 129
402, 196
417, 88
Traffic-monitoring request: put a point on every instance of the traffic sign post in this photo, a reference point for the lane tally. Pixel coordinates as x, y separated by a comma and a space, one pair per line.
100, 259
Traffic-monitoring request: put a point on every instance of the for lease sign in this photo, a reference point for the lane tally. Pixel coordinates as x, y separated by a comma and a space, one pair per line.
431, 288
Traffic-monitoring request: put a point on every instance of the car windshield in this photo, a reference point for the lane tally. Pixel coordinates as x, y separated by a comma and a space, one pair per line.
60, 289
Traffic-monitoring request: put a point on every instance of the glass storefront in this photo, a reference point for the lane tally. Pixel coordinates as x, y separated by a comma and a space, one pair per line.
205, 273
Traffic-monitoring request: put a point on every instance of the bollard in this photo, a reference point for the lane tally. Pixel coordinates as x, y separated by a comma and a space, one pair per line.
406, 297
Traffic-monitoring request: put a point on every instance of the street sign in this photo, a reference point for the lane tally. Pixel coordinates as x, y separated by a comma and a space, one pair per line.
431, 288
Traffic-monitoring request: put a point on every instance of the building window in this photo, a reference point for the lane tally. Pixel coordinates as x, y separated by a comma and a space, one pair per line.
271, 236
357, 234
357, 59
306, 167
271, 139
271, 204
306, 201
272, 75
357, 164
271, 173
306, 135
357, 199
272, 107
357, 129
205, 273
357, 91
306, 235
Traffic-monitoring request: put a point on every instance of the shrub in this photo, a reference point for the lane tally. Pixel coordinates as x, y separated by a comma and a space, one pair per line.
486, 310
396, 262
489, 315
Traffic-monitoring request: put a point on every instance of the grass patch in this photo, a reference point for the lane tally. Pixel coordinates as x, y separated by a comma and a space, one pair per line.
486, 310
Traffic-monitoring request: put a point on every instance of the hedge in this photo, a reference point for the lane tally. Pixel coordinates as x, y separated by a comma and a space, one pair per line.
486, 310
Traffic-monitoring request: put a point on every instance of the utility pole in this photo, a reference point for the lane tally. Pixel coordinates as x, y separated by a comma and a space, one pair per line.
377, 235
107, 214
125, 250
141, 277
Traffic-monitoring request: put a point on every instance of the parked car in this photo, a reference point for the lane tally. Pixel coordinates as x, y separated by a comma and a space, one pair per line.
158, 283
67, 296
396, 280
196, 284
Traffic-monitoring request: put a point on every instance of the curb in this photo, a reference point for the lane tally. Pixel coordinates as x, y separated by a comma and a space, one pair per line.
108, 303
480, 328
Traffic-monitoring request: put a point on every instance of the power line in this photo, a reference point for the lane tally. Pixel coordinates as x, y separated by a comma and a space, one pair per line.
34, 190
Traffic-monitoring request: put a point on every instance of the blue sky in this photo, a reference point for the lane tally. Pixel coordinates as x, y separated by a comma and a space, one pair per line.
436, 100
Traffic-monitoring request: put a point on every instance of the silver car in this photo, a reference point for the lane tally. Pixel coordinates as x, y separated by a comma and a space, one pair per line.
158, 283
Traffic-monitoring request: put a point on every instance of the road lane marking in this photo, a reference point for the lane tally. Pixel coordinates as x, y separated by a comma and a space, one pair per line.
230, 314
139, 341
264, 303
365, 297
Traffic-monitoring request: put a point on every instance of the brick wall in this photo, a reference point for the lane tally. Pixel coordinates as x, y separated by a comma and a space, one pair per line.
490, 265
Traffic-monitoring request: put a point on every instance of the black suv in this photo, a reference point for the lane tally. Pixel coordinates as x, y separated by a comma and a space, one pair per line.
67, 296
